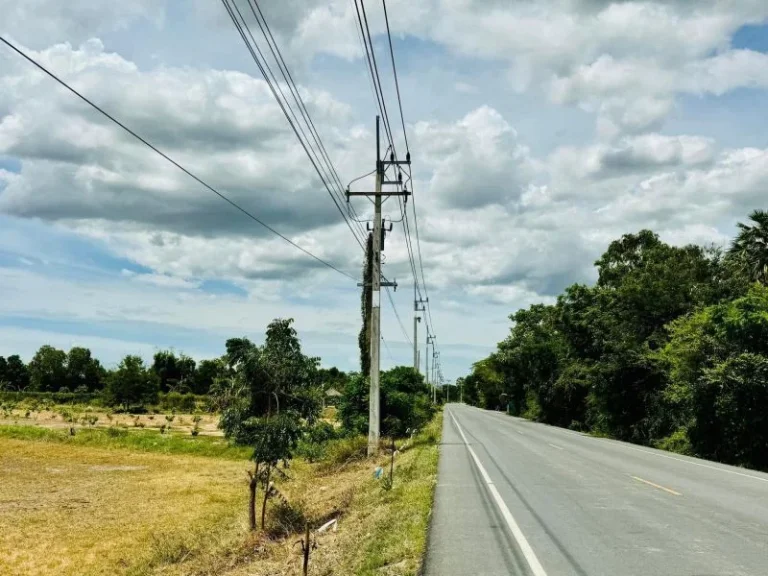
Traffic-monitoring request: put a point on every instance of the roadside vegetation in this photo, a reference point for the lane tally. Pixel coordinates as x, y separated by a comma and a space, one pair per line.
669, 349
142, 473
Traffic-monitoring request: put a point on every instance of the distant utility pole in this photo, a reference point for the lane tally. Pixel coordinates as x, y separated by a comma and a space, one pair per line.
435, 356
376, 283
418, 306
430, 340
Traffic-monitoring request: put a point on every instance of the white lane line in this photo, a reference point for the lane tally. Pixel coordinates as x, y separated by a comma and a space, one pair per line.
518, 431
556, 446
695, 463
522, 542
669, 457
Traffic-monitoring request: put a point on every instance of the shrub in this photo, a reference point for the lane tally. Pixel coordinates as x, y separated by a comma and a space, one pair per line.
180, 402
345, 450
321, 432
310, 451
678, 442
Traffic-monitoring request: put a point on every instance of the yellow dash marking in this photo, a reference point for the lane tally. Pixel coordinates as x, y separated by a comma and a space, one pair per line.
669, 490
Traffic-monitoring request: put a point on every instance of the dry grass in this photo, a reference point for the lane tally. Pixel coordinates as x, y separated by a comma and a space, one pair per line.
72, 510
69, 509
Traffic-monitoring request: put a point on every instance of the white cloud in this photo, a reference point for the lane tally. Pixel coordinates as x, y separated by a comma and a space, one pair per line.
43, 22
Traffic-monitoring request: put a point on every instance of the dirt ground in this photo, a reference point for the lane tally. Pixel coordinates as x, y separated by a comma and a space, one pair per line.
60, 416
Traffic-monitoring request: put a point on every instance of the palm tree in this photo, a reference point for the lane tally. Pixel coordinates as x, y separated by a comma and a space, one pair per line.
750, 247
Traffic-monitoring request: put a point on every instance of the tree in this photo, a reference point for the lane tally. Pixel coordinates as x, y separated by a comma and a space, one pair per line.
3, 373
405, 402
750, 247
47, 369
711, 356
208, 371
132, 383
176, 373
16, 373
364, 338
273, 439
83, 370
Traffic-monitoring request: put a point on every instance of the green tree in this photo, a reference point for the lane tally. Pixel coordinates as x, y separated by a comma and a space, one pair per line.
750, 247
132, 383
16, 373
176, 373
268, 379
47, 369
405, 402
273, 439
207, 372
708, 355
83, 370
3, 373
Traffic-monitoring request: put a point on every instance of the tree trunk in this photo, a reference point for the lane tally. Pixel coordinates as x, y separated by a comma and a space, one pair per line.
252, 485
277, 402
266, 495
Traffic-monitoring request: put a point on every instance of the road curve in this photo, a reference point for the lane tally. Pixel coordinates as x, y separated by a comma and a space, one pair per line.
517, 497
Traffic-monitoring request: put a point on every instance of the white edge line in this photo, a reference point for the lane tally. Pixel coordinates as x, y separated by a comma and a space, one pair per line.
522, 542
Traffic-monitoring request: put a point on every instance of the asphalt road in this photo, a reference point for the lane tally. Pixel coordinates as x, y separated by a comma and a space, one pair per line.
543, 501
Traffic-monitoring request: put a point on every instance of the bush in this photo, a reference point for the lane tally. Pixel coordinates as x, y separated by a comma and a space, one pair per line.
678, 442
180, 402
321, 432
345, 450
310, 451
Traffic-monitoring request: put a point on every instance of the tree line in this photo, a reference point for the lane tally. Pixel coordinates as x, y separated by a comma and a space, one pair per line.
669, 349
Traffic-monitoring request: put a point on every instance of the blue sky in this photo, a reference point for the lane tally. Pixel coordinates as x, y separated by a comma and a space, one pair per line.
515, 114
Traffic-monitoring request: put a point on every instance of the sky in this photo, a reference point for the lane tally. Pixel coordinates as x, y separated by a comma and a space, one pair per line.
539, 132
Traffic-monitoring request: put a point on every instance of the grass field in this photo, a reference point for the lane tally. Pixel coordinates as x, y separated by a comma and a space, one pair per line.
76, 510
101, 504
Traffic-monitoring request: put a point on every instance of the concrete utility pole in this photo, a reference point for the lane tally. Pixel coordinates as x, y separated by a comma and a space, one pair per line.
435, 356
430, 340
418, 306
374, 414
373, 405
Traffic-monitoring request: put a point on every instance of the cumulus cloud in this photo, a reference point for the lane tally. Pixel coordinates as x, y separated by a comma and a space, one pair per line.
79, 169
477, 161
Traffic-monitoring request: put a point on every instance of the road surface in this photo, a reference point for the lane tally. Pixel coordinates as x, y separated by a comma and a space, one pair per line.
517, 497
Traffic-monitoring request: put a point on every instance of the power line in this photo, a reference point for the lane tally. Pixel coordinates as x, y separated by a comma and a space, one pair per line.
397, 315
379, 96
266, 72
394, 71
288, 77
168, 158
374, 70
